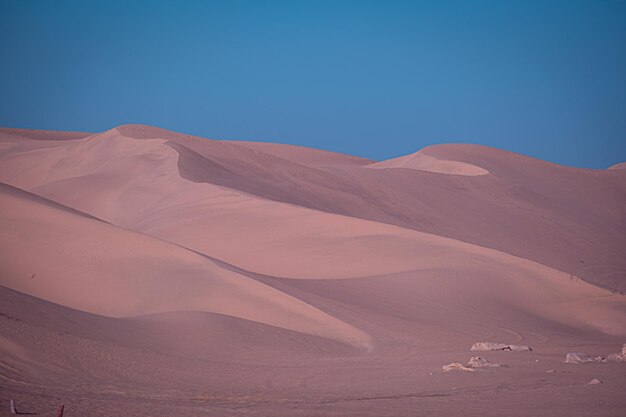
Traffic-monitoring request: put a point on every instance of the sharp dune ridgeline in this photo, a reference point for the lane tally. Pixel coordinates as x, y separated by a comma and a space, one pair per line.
149, 272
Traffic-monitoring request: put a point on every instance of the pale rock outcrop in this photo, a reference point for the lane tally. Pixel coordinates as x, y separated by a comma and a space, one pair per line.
479, 362
474, 363
455, 366
617, 357
487, 346
580, 357
595, 381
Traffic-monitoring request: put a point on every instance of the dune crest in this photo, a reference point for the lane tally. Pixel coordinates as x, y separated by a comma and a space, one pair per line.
149, 272
423, 162
130, 187
98, 268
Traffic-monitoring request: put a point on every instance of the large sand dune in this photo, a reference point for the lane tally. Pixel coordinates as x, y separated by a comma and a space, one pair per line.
95, 267
172, 274
569, 219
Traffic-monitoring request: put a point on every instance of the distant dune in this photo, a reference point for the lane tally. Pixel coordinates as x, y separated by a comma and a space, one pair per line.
37, 134
169, 274
423, 162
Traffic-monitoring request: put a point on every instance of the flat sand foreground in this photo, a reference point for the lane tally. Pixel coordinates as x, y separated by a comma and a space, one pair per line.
145, 272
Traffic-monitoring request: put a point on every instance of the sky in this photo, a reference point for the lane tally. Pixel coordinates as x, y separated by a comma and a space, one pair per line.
376, 79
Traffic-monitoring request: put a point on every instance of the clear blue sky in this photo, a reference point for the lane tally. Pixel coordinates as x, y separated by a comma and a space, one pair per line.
371, 78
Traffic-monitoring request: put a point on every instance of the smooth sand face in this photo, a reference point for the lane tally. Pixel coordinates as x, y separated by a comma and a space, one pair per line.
306, 156
96, 267
424, 162
159, 273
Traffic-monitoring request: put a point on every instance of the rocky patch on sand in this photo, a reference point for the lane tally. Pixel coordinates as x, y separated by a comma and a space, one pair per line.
480, 362
490, 346
474, 363
580, 357
456, 366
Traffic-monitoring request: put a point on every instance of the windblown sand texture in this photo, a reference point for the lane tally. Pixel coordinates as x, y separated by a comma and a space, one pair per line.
148, 272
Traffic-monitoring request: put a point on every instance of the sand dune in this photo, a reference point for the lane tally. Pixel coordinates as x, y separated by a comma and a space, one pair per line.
173, 274
36, 134
305, 156
98, 268
424, 162
523, 200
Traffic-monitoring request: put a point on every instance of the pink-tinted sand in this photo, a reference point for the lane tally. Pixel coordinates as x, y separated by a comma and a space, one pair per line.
148, 272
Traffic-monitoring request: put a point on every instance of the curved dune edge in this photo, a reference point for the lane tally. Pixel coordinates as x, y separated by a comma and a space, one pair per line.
95, 267
181, 333
301, 155
137, 184
142, 179
47, 135
620, 165
422, 162
450, 205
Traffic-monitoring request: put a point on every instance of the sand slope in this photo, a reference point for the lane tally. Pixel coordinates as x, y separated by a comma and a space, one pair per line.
95, 267
523, 200
175, 275
423, 162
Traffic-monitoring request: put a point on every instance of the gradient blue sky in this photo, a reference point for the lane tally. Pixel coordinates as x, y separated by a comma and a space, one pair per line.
370, 78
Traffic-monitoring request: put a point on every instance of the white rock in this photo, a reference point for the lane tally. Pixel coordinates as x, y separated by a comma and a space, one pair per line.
578, 357
617, 357
455, 366
486, 346
478, 362
594, 382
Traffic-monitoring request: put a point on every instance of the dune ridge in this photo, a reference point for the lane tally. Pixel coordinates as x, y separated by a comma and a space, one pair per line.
424, 162
98, 268
174, 274
524, 200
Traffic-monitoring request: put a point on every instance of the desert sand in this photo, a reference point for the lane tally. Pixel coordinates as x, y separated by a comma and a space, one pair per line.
145, 272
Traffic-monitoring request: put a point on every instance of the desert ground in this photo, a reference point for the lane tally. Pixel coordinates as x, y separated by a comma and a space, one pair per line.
145, 272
